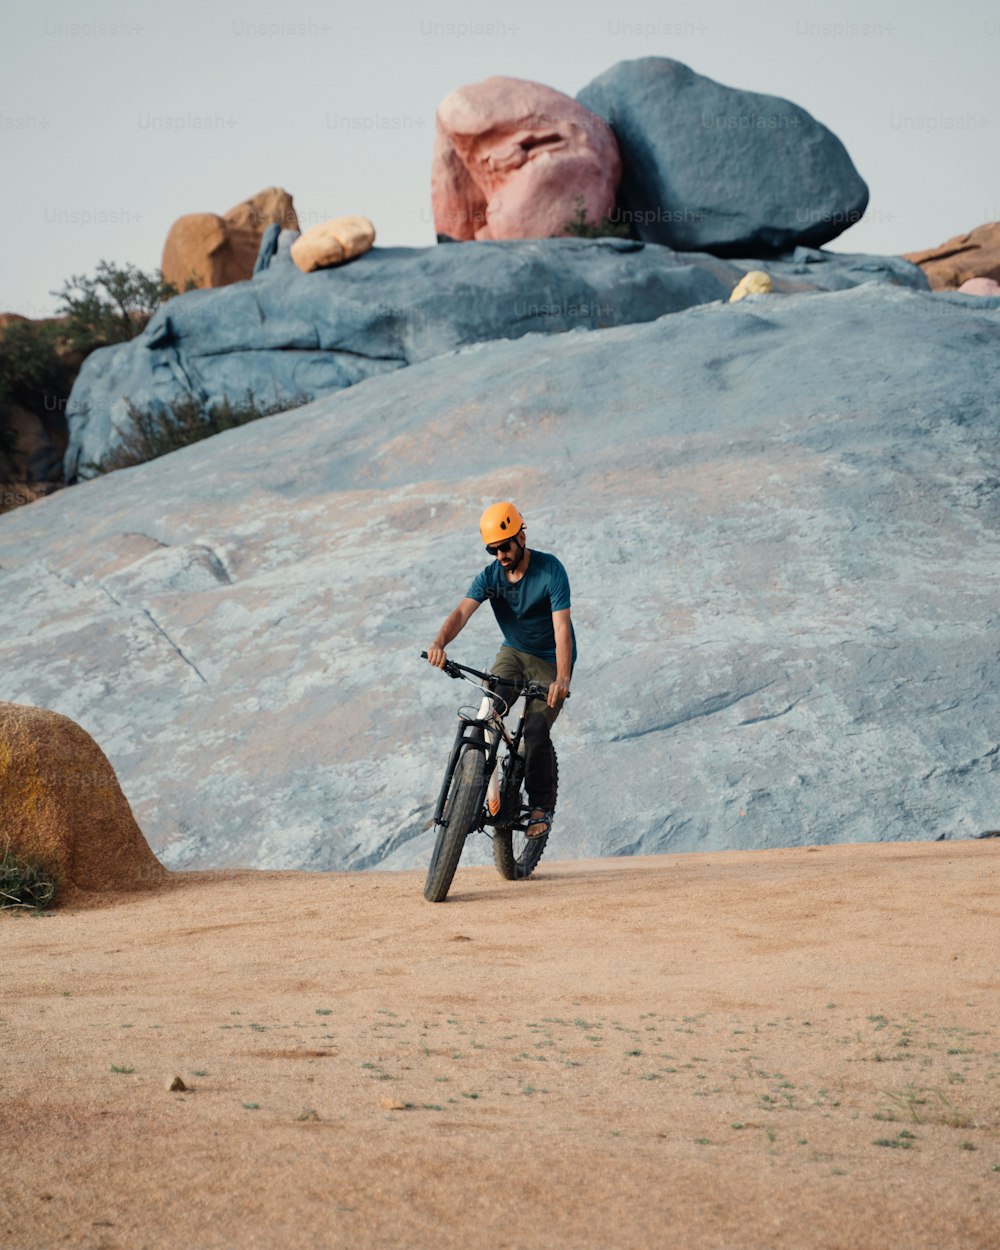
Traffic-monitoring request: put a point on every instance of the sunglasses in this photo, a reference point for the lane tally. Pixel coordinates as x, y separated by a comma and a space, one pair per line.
500, 548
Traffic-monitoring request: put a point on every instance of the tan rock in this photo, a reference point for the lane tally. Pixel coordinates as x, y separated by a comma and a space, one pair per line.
61, 805
176, 1085
272, 205
332, 243
972, 255
215, 251
195, 252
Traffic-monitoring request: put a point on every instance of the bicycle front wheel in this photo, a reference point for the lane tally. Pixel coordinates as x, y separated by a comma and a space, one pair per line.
461, 813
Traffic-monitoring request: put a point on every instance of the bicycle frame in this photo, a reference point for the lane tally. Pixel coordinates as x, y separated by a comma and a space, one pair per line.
484, 732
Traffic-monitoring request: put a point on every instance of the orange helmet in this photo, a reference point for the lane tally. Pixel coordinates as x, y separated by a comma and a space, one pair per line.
500, 521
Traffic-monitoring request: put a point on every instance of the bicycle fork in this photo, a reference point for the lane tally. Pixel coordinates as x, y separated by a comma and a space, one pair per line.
482, 733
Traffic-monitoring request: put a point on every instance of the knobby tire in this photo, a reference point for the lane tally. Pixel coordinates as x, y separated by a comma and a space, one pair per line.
516, 856
462, 816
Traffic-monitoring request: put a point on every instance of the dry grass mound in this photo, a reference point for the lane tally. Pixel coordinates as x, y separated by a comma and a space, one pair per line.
61, 806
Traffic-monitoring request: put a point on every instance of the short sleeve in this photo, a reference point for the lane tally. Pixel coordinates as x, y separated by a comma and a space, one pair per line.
559, 587
477, 590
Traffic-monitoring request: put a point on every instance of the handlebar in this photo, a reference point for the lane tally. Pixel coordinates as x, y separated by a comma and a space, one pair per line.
530, 689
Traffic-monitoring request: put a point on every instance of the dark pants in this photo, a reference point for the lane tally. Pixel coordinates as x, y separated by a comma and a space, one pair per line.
540, 779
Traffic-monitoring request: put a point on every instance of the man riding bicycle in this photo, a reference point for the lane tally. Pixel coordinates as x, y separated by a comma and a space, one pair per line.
529, 593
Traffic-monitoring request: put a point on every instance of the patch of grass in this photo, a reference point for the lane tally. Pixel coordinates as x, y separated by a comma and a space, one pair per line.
122, 1068
579, 227
951, 1116
902, 1141
24, 883
151, 433
920, 1108
908, 1100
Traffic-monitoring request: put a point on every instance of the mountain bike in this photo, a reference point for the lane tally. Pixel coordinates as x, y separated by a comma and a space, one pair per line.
482, 792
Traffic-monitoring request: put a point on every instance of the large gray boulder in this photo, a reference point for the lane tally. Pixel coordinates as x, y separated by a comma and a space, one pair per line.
712, 168
289, 337
780, 518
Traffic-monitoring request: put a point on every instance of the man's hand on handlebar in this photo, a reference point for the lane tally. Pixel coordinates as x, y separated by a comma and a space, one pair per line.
436, 656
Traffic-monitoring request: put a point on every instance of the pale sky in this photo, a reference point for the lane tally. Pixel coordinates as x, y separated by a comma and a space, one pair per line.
116, 117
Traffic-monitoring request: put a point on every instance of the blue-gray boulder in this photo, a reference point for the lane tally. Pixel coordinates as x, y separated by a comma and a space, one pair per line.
268, 247
780, 519
712, 168
290, 337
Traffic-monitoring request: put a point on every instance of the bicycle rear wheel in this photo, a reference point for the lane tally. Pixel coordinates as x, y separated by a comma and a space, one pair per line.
516, 856
461, 813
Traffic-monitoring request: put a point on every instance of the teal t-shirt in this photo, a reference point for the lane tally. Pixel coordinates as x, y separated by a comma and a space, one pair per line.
524, 608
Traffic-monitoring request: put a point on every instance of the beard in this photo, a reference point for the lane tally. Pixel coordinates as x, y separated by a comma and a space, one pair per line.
512, 563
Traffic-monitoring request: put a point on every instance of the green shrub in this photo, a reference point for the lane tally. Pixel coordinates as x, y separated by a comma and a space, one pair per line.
36, 374
581, 228
39, 360
25, 884
156, 432
31, 364
111, 307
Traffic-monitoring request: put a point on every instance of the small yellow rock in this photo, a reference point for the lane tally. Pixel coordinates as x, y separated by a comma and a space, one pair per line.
756, 282
392, 1104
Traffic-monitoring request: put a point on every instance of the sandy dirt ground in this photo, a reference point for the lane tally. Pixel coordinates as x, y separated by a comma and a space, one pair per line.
745, 1051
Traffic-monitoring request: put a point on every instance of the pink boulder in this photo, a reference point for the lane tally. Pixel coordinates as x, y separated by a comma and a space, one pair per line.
980, 286
517, 160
